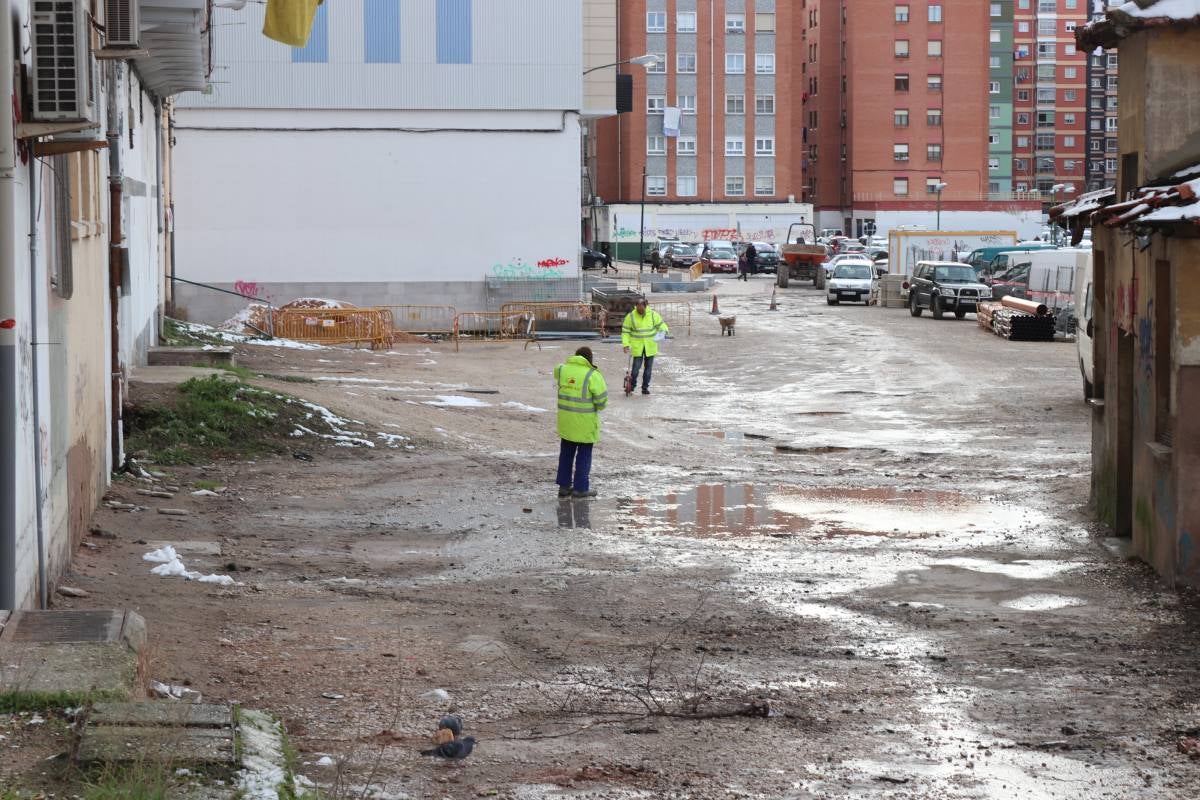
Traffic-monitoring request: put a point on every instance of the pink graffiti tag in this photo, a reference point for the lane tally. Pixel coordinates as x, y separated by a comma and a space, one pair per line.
720, 234
550, 263
246, 289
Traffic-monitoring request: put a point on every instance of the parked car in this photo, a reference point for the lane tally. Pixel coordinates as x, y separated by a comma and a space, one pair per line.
719, 257
766, 257
660, 246
850, 282
592, 259
822, 277
943, 286
683, 256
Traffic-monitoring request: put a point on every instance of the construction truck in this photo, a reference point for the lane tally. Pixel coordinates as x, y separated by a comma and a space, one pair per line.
802, 256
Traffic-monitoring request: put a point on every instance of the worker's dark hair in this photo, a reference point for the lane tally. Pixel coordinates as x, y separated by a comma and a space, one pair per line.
586, 352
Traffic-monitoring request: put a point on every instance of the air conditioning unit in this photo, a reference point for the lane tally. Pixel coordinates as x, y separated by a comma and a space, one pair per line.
63, 77
122, 23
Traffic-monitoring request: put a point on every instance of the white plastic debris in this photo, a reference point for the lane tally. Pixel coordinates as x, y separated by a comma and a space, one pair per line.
170, 565
325, 761
438, 694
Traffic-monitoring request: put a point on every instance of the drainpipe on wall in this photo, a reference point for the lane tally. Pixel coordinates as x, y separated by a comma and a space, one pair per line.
8, 336
39, 478
116, 261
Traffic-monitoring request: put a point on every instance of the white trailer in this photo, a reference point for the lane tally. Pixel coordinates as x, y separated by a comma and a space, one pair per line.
906, 248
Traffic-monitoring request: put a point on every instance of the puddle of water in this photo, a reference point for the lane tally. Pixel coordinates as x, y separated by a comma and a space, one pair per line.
1043, 602
720, 509
1021, 570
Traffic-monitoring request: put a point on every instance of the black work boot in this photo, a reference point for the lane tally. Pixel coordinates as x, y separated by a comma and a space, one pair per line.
564, 491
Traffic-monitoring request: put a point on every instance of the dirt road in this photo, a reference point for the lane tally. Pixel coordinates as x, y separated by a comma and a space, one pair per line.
868, 527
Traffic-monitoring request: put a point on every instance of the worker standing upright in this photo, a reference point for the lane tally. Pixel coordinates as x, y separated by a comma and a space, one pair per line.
640, 333
582, 395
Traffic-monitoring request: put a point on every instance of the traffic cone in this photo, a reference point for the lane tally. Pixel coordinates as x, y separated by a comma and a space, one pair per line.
715, 310
774, 305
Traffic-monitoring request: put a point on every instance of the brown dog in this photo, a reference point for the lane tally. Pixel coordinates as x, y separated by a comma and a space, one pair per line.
727, 325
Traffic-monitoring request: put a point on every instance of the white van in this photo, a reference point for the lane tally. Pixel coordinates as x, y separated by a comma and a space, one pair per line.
1085, 327
1047, 276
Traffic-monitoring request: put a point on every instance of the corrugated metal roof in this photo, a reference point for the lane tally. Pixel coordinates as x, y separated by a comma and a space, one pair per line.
176, 36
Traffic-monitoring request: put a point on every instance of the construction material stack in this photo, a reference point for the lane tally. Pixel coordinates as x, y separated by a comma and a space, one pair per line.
1017, 320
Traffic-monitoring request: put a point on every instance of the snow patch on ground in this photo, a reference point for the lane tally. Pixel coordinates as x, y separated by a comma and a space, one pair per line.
197, 329
523, 407
456, 401
264, 773
170, 565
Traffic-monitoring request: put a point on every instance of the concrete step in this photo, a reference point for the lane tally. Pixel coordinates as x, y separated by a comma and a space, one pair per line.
190, 356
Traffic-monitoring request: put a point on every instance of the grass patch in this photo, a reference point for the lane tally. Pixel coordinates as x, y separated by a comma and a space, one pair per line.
175, 335
208, 485
289, 378
133, 782
243, 373
212, 417
18, 700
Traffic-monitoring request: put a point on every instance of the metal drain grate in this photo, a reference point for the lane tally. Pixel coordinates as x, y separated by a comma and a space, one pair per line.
60, 627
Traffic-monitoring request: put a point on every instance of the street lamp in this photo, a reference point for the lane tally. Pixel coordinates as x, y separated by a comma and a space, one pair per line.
1065, 188
647, 60
939, 188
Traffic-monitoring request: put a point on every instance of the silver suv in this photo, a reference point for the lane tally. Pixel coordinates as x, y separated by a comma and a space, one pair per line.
943, 286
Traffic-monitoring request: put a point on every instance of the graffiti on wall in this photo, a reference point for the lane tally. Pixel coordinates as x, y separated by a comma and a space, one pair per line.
247, 289
550, 263
518, 269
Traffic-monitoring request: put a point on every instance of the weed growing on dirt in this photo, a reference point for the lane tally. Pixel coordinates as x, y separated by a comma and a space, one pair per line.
176, 335
211, 417
207, 485
134, 782
18, 700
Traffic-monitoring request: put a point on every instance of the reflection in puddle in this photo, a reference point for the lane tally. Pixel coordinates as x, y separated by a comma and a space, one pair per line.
575, 513
1022, 570
1043, 602
748, 510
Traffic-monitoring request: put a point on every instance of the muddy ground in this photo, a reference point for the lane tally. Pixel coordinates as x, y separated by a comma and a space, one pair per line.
870, 524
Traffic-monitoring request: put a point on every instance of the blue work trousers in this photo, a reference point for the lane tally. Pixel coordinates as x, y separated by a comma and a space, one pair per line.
637, 366
577, 456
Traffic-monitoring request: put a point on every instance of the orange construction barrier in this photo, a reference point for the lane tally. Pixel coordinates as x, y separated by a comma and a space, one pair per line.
372, 326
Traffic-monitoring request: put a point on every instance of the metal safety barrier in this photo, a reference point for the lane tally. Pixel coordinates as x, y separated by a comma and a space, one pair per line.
561, 316
676, 313
485, 325
355, 326
423, 319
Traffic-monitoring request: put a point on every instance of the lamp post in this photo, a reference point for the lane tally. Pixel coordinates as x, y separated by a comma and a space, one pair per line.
1065, 188
647, 60
642, 224
939, 188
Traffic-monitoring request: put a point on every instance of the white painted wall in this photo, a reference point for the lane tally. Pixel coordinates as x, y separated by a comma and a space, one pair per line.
280, 204
693, 223
1027, 224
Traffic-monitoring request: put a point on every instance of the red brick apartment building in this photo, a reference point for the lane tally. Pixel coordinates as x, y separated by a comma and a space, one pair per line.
1050, 96
897, 104
734, 69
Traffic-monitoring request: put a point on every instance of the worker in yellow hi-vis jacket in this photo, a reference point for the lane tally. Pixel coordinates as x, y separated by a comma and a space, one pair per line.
582, 395
641, 332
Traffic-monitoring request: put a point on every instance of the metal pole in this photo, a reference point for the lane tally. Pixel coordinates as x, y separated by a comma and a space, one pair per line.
938, 226
642, 224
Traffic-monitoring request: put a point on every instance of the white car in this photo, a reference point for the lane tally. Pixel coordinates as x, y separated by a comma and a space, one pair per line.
850, 282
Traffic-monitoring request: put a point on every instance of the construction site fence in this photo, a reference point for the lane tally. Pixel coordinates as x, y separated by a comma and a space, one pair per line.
423, 319
551, 316
676, 313
483, 325
357, 326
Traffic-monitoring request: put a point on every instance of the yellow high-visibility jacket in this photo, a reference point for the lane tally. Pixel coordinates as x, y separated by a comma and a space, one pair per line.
582, 395
638, 332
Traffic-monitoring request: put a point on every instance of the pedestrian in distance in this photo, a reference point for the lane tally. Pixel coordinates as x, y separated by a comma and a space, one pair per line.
582, 395
641, 332
751, 254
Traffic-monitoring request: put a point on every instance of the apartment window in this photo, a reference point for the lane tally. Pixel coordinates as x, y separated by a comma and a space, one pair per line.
659, 65
1045, 72
1019, 164
933, 152
934, 83
931, 185
1073, 4
1096, 146
764, 186
1068, 141
1070, 95
1068, 119
764, 23
735, 63
993, 187
1112, 83
901, 48
900, 152
685, 185
901, 13
685, 63
933, 48
900, 187
1069, 49
685, 22
1022, 187
1045, 141
994, 62
1071, 73
1023, 95
993, 87
1110, 145
1046, 26
1110, 124
935, 12
993, 164
735, 104
764, 146
1022, 119
1045, 94
1046, 6
994, 36
995, 10
993, 139
1047, 50
1022, 141
1045, 165
735, 146
656, 22
685, 146
687, 104
1112, 61
812, 120
933, 117
656, 145
1110, 165
735, 186
1023, 27
1069, 165
735, 23
764, 104
1111, 105
764, 64
901, 82
655, 103
900, 117
1045, 119
656, 185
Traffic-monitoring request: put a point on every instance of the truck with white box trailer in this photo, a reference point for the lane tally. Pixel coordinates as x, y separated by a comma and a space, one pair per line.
906, 248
